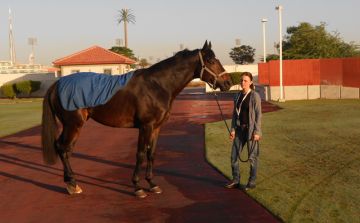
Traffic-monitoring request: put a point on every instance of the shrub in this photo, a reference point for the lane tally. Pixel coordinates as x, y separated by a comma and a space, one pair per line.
235, 77
196, 84
9, 90
28, 87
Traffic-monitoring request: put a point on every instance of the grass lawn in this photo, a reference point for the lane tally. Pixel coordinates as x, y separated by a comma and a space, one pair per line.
20, 114
309, 163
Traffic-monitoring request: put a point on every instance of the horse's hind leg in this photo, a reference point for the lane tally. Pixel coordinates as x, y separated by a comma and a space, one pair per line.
145, 135
150, 162
65, 145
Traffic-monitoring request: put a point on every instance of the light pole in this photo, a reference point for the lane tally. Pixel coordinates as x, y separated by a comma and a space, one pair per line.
119, 42
281, 99
263, 21
32, 42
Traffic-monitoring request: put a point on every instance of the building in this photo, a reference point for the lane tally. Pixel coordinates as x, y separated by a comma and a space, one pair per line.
95, 59
7, 67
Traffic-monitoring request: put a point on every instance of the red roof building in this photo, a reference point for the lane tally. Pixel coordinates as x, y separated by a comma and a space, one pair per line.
94, 59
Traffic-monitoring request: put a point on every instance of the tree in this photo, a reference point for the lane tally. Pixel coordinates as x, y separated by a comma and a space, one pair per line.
126, 16
125, 52
143, 63
270, 57
314, 42
243, 54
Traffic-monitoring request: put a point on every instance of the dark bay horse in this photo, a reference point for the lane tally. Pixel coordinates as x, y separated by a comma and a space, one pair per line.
144, 103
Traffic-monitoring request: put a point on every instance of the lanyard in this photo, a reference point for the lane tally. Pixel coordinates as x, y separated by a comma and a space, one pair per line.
239, 109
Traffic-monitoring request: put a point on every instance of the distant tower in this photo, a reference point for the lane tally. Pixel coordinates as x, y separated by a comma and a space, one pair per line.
11, 40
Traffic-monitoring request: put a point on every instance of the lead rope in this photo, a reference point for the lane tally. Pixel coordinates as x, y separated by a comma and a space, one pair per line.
237, 148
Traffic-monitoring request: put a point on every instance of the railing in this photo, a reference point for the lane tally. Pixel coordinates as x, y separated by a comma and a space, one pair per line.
21, 69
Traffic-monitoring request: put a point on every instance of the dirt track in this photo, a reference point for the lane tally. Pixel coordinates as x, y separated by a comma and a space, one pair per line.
103, 161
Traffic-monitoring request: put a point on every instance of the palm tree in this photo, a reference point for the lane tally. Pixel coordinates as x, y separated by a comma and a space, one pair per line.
126, 16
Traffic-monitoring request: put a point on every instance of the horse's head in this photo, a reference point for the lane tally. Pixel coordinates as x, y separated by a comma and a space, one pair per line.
212, 71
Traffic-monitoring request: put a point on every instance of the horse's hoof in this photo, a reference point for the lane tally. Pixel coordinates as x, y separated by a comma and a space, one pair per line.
74, 190
155, 190
140, 194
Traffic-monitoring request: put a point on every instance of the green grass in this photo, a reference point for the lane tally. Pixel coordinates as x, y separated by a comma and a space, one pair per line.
18, 115
309, 164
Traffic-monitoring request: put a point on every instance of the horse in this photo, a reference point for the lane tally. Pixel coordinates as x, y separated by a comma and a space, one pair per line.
145, 103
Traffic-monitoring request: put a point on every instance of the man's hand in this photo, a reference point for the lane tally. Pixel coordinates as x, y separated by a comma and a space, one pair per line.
232, 135
256, 137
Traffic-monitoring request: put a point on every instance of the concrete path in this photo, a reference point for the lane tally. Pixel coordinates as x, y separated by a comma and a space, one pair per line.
104, 160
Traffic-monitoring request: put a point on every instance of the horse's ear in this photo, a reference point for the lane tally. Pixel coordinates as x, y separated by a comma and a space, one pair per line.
205, 46
210, 44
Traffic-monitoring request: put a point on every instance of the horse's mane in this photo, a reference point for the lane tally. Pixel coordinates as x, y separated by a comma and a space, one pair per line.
170, 62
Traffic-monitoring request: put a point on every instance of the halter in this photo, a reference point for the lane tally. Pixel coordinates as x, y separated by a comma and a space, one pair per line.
203, 67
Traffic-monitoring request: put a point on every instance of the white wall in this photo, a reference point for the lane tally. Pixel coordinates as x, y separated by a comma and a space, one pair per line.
306, 92
253, 68
47, 79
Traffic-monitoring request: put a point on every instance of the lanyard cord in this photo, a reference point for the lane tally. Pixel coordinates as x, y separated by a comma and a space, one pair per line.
239, 109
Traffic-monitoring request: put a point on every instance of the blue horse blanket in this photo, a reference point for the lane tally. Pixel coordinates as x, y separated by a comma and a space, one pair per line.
87, 89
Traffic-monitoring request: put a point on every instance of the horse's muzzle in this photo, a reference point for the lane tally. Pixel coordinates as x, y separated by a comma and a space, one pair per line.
225, 85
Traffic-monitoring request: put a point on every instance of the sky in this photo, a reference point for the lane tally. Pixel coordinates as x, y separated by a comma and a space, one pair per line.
66, 27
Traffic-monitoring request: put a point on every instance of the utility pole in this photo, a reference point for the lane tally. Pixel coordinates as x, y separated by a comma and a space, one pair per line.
11, 40
32, 42
263, 21
281, 99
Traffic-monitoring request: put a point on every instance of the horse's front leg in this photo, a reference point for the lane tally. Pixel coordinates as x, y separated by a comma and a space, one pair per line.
150, 162
145, 135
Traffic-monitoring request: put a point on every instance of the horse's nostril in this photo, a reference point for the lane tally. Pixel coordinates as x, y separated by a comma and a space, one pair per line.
227, 83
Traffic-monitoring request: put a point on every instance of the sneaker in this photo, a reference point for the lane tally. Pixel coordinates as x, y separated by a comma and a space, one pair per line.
232, 184
250, 186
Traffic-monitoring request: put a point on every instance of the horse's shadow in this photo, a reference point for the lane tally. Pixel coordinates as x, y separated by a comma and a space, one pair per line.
36, 183
47, 169
6, 159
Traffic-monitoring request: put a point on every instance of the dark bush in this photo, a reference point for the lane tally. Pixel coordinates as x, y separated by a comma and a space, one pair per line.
196, 84
9, 90
235, 77
28, 87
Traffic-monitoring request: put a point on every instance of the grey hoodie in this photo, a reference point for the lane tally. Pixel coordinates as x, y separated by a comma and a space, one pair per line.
255, 114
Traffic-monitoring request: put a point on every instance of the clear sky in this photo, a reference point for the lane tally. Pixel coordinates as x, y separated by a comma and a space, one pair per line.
69, 26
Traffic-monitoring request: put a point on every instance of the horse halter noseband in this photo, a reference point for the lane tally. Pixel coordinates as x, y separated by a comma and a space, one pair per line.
203, 67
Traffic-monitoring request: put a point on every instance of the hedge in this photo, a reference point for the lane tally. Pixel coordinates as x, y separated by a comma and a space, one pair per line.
28, 87
9, 90
235, 77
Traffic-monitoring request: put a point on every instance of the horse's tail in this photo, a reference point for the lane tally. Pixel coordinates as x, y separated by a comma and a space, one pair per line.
49, 129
